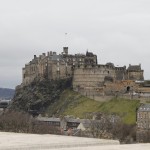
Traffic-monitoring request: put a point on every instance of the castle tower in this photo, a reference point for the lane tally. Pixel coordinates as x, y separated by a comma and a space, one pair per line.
134, 72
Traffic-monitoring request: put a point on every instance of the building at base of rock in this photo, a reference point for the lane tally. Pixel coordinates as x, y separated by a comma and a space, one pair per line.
143, 123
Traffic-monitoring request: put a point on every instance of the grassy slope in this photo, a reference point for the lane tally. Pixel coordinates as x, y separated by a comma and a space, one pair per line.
71, 103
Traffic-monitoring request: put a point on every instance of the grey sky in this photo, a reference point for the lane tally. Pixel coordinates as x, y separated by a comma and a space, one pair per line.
117, 31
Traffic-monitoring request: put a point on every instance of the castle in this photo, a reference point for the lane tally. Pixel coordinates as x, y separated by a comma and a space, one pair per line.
89, 77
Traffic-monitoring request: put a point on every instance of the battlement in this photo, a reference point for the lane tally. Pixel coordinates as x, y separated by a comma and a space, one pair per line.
96, 66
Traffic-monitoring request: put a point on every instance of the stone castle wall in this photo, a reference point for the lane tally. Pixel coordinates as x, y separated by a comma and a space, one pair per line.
59, 70
89, 78
35, 68
53, 66
135, 75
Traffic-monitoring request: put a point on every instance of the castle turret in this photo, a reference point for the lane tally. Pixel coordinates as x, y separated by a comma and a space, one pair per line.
134, 72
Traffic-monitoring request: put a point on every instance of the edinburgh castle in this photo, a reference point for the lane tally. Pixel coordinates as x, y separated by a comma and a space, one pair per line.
89, 77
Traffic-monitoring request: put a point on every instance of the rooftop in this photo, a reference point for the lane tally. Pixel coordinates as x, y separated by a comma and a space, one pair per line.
134, 67
144, 107
48, 119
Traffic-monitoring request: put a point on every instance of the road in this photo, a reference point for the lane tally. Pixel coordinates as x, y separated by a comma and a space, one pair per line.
19, 141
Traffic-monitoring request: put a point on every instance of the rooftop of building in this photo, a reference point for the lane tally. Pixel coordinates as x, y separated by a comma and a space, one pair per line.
144, 107
89, 54
47, 119
56, 57
134, 67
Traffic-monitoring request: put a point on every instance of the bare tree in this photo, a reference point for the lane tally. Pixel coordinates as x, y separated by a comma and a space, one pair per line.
101, 128
14, 121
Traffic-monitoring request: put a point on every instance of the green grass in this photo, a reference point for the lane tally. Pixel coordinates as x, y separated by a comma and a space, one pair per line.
72, 103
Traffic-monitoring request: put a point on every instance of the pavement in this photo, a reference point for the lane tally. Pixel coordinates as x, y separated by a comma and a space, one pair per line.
20, 141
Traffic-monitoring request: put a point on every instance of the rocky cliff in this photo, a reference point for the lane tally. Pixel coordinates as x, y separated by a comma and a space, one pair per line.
39, 94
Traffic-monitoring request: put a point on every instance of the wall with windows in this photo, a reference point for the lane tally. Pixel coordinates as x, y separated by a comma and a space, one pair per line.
143, 123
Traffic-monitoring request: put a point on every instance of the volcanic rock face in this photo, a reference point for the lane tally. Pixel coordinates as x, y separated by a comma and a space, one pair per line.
39, 94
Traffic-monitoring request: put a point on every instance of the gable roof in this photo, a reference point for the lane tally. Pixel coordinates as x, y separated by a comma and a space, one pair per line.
46, 119
73, 120
56, 58
144, 107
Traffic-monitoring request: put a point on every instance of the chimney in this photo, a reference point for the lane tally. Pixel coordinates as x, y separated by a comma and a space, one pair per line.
51, 53
34, 56
54, 53
65, 50
40, 57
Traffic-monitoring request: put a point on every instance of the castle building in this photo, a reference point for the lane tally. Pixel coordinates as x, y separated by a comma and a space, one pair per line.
55, 66
134, 72
89, 77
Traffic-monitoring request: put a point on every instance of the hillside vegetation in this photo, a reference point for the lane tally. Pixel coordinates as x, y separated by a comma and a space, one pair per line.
72, 103
56, 98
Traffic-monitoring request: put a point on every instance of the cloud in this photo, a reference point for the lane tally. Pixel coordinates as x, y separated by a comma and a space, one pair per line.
117, 31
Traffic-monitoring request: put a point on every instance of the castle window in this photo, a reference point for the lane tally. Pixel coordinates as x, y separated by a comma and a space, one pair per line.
108, 72
128, 88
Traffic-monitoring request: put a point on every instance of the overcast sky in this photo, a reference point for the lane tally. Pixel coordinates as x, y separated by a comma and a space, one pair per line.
118, 31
